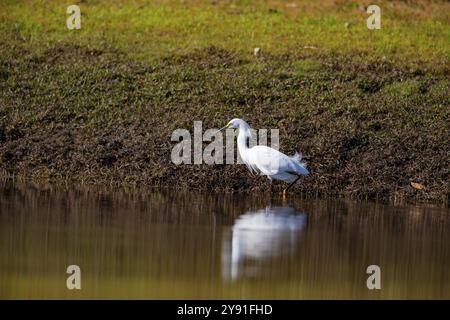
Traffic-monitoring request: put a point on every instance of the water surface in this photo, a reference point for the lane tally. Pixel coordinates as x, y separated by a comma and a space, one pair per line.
160, 244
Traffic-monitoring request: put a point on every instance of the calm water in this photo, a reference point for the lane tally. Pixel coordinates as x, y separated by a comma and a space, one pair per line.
151, 244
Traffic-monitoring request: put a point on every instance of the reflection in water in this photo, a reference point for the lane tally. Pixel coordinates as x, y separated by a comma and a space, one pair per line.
260, 235
146, 244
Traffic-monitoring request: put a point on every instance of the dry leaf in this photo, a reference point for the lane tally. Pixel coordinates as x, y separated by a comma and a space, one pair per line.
417, 186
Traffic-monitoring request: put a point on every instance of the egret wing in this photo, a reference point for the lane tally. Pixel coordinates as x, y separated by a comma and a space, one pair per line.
269, 161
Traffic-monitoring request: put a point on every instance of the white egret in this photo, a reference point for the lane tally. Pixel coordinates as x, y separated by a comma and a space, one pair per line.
265, 160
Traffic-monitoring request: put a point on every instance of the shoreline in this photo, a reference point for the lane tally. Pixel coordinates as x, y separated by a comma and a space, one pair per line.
274, 195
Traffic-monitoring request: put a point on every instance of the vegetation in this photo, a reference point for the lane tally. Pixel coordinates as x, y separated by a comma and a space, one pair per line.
369, 109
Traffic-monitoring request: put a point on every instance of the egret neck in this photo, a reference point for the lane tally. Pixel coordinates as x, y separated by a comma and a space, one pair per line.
244, 134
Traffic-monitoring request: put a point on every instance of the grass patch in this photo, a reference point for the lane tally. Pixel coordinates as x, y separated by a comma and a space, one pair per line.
404, 88
368, 109
307, 66
148, 30
98, 117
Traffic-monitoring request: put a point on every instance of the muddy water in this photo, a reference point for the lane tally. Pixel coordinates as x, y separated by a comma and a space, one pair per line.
157, 244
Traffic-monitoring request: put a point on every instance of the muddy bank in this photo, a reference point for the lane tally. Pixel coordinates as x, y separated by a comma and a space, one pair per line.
366, 128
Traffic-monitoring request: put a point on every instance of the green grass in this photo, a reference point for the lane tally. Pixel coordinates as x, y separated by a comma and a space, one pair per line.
369, 109
303, 67
150, 29
404, 88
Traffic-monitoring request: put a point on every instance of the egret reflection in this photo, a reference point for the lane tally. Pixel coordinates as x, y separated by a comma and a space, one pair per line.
258, 236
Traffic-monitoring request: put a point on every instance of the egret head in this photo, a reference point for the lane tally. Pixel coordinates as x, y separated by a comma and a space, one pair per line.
236, 124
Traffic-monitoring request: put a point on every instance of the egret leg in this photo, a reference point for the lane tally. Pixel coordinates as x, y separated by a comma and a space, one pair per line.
292, 183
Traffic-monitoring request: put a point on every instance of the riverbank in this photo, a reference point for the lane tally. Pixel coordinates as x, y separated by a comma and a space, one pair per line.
369, 124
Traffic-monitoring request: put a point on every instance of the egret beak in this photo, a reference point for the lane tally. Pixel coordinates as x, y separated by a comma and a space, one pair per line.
223, 128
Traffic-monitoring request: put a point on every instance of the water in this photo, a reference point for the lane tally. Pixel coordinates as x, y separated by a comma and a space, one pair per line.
151, 244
